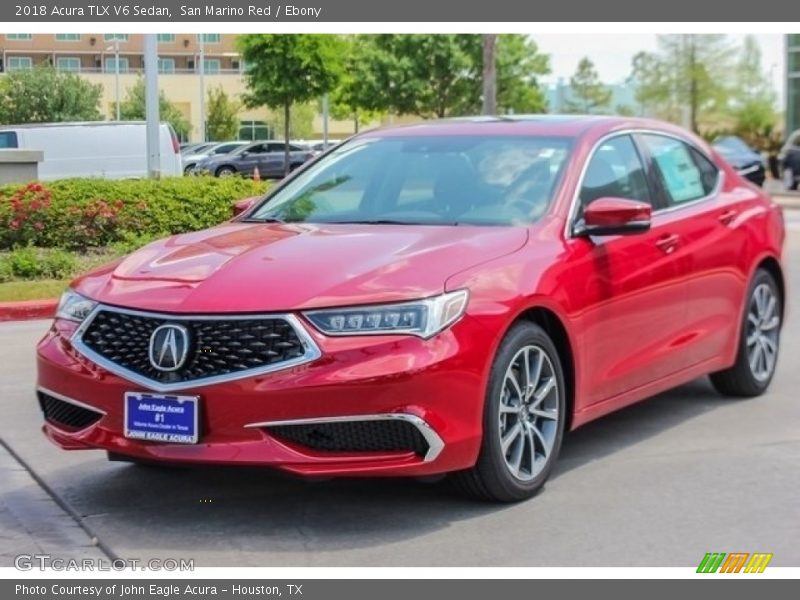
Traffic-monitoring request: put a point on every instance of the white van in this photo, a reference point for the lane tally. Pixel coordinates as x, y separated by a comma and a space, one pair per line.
109, 149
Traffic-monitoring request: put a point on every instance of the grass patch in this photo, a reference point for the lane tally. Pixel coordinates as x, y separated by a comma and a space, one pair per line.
40, 289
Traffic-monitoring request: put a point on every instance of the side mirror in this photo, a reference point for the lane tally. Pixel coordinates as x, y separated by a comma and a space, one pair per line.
243, 205
614, 216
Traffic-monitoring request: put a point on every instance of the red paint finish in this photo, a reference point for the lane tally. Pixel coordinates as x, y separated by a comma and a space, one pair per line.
613, 212
642, 312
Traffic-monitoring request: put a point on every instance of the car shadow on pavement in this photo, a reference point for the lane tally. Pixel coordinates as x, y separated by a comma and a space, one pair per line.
638, 422
253, 511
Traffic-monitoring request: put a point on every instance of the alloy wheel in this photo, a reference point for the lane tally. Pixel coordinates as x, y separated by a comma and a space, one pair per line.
762, 332
529, 412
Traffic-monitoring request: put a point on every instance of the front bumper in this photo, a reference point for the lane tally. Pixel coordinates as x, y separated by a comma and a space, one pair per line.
436, 385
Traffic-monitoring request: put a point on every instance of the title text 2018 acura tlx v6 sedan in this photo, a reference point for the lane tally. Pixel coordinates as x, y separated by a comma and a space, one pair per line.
448, 297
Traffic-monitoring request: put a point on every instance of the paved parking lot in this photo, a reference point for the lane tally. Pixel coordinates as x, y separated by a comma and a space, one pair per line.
657, 484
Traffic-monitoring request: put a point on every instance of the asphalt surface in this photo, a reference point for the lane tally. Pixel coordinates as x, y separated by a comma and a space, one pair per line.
657, 484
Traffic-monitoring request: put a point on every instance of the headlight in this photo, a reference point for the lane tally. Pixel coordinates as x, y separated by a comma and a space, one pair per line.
422, 318
74, 307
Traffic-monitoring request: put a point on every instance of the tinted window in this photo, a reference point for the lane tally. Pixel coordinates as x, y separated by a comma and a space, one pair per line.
8, 139
479, 180
685, 174
615, 170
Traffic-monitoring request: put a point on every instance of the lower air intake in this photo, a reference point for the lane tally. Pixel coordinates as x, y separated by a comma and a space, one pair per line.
65, 414
355, 436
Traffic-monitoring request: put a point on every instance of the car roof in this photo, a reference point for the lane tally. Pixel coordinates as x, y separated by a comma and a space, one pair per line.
74, 124
535, 125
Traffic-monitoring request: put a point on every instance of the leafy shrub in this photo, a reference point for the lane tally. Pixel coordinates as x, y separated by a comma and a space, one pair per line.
25, 263
58, 264
77, 214
39, 263
6, 272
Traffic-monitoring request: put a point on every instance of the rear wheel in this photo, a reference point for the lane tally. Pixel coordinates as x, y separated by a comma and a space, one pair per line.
523, 419
225, 172
757, 354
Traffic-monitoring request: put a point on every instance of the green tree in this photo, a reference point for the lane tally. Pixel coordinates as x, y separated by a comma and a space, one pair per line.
587, 93
440, 75
132, 108
43, 95
358, 96
284, 70
520, 64
754, 99
222, 120
687, 80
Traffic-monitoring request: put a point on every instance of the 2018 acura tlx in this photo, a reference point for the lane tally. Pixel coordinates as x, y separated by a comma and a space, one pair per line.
447, 297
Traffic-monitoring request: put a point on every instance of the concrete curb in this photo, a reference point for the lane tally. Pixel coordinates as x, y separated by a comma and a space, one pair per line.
28, 309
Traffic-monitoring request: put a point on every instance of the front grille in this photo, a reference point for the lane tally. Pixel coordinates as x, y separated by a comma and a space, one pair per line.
216, 346
355, 436
66, 414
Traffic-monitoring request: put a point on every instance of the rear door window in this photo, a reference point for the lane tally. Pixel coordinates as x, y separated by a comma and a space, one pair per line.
685, 174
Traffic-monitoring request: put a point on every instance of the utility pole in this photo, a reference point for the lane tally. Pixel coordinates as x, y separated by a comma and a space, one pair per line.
325, 117
151, 105
202, 87
489, 74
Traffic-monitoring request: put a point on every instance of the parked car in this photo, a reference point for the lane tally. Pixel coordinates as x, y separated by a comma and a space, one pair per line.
789, 160
186, 146
748, 162
193, 148
217, 149
449, 297
268, 157
114, 150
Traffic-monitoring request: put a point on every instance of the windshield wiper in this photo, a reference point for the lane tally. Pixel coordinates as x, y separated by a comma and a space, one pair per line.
263, 220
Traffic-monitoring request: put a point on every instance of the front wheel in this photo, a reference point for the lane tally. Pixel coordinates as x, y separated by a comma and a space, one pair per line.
225, 172
523, 424
759, 340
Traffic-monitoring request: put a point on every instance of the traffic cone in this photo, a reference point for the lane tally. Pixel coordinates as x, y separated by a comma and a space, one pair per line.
256, 175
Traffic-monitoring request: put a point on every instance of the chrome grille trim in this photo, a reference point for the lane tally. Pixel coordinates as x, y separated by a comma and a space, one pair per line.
435, 443
311, 350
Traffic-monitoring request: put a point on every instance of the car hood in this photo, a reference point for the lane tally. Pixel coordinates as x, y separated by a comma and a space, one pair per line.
253, 267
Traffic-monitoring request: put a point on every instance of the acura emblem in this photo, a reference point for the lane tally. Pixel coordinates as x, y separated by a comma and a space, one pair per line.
169, 347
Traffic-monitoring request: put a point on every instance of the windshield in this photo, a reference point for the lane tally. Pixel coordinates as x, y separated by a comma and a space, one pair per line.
476, 180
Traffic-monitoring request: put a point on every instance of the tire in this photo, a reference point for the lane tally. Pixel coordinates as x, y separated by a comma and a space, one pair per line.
225, 172
789, 178
187, 170
493, 477
750, 375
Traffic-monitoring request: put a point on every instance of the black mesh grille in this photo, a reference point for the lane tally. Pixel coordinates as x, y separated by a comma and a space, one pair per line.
66, 414
216, 346
355, 436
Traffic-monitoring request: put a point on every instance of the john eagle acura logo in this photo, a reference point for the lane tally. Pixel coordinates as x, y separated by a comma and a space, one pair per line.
169, 347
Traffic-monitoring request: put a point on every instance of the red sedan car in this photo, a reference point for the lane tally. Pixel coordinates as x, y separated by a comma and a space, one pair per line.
449, 297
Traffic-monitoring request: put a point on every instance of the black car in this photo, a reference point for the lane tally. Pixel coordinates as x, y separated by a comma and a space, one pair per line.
268, 157
747, 162
789, 160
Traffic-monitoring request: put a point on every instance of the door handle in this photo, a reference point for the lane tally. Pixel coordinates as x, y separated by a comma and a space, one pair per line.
727, 217
668, 243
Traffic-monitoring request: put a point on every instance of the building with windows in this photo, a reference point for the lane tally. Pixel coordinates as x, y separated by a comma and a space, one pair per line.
104, 57
792, 82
